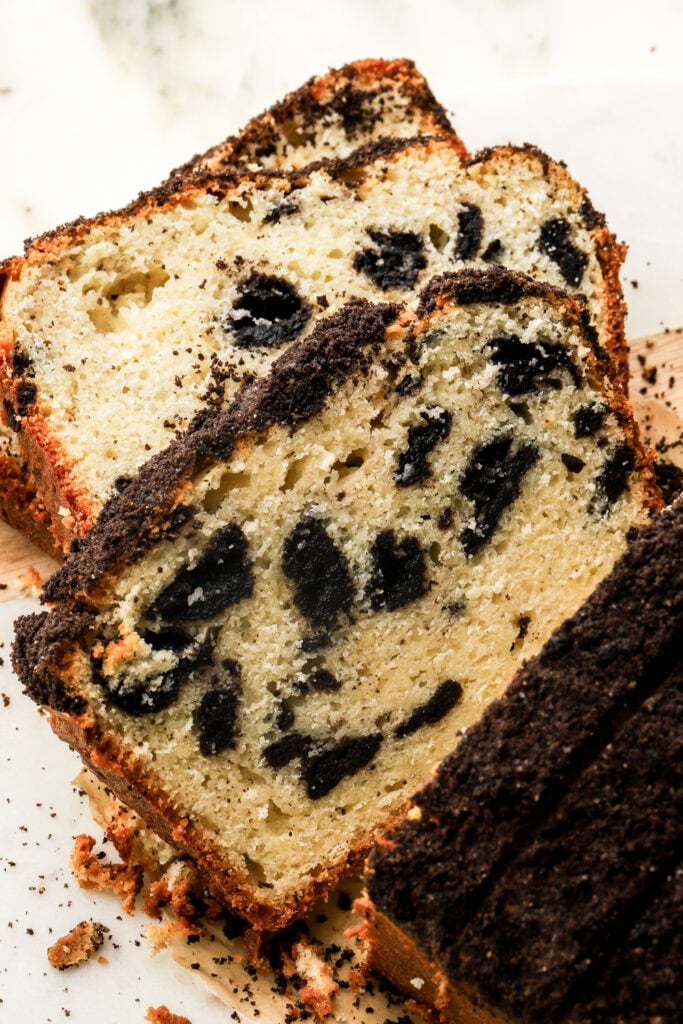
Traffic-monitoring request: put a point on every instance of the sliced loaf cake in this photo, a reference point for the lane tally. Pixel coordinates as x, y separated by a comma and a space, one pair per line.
118, 331
285, 620
327, 117
537, 878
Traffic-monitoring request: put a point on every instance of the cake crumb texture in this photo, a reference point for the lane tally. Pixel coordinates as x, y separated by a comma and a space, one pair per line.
79, 945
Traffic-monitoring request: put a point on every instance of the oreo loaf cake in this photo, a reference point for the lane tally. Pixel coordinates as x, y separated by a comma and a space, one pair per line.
118, 331
328, 116
538, 876
285, 619
331, 115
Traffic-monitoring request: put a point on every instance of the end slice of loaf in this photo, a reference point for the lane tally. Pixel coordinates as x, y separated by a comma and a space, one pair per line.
276, 630
538, 876
120, 330
20, 504
330, 116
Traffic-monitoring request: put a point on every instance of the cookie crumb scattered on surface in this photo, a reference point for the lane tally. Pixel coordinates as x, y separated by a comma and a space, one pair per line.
79, 945
162, 1015
92, 873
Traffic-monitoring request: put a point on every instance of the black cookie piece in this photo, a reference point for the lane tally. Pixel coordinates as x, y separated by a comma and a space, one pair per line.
445, 697
588, 419
160, 692
221, 578
526, 367
167, 638
612, 479
396, 262
411, 382
284, 718
216, 719
555, 242
326, 768
412, 463
493, 252
283, 209
492, 481
315, 642
323, 681
290, 748
573, 463
669, 479
470, 228
398, 574
319, 572
26, 396
272, 312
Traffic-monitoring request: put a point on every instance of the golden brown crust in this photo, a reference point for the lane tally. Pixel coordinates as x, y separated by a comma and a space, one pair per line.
125, 880
611, 255
374, 76
118, 770
21, 507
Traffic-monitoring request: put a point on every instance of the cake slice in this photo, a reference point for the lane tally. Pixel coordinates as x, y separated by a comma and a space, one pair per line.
331, 115
118, 331
285, 620
537, 876
327, 117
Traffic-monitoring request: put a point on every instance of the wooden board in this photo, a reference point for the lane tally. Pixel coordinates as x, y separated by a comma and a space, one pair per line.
656, 394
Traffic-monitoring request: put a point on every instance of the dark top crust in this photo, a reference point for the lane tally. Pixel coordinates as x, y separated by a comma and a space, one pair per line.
573, 891
370, 152
511, 769
643, 981
36, 650
336, 92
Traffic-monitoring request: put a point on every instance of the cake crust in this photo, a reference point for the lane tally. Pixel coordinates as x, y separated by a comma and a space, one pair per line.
345, 96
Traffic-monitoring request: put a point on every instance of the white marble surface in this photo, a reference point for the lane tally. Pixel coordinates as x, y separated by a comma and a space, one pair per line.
100, 98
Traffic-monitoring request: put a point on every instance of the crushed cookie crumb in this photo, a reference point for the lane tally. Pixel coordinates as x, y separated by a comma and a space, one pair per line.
162, 1015
79, 945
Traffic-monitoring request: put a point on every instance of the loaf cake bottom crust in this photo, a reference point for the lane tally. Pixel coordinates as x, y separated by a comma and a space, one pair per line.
279, 627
